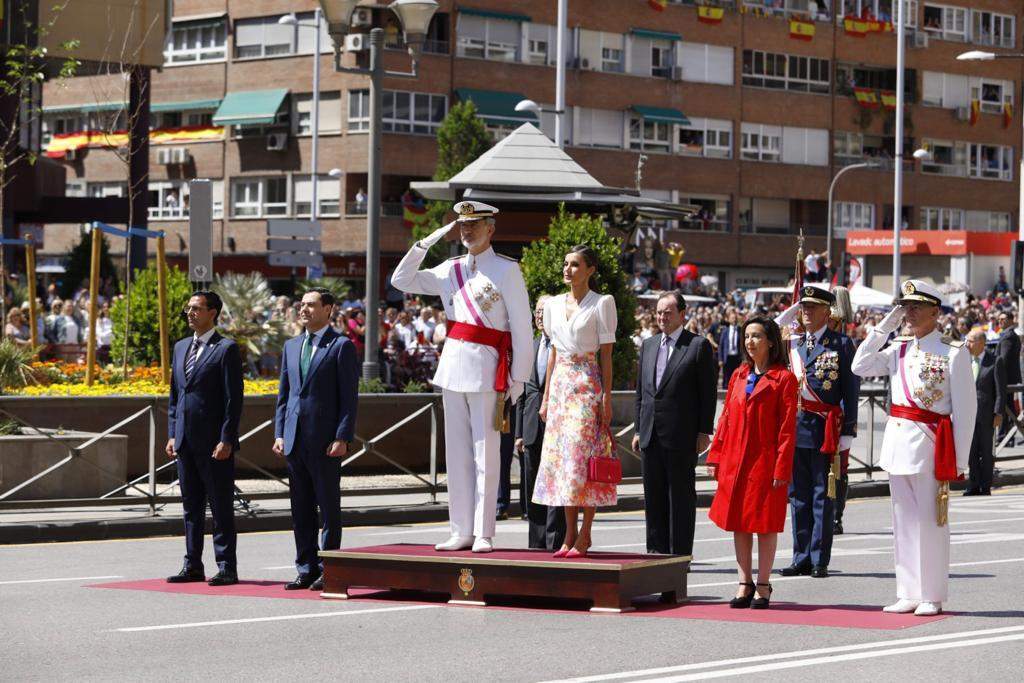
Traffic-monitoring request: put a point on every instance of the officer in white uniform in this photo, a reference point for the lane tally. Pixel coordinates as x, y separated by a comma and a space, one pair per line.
932, 386
488, 309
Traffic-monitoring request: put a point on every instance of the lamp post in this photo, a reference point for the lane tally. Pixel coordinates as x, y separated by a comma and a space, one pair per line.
414, 16
981, 56
897, 195
831, 189
533, 107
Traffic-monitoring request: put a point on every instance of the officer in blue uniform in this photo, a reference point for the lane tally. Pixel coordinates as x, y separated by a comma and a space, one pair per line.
821, 360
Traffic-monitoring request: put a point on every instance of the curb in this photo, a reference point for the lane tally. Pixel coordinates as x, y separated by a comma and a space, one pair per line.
53, 532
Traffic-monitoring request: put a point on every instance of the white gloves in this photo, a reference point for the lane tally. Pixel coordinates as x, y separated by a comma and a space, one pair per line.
892, 321
515, 390
436, 236
845, 442
788, 316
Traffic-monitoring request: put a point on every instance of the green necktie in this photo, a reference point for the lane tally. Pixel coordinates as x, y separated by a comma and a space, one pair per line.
305, 356
976, 366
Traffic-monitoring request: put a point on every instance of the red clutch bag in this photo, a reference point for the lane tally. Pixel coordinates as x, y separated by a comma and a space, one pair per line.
605, 469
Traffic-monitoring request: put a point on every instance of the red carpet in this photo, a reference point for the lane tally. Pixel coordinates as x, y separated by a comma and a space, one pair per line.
842, 616
517, 555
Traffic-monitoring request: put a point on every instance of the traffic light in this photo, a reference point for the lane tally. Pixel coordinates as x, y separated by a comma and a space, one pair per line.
1017, 267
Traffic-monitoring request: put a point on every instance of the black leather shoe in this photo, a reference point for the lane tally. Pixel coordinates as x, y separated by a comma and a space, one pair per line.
837, 528
301, 582
796, 570
502, 515
820, 572
187, 575
762, 603
223, 578
744, 602
317, 585
972, 492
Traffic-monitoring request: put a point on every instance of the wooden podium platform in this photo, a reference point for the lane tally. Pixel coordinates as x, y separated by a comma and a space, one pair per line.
608, 580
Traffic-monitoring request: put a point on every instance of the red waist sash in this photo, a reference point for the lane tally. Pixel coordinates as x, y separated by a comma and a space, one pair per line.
487, 336
833, 423
945, 447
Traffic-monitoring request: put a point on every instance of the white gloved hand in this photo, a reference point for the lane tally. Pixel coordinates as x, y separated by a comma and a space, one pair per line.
845, 441
892, 321
515, 390
788, 316
436, 236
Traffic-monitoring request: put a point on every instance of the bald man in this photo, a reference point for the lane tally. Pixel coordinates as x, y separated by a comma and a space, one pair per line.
990, 382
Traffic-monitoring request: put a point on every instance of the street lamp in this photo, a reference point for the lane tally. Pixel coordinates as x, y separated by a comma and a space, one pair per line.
414, 17
982, 56
536, 109
831, 188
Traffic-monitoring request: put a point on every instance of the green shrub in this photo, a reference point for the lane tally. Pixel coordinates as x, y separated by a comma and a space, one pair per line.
372, 386
414, 387
76, 266
144, 332
15, 365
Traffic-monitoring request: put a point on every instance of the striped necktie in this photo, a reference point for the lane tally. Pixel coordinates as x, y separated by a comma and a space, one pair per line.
190, 359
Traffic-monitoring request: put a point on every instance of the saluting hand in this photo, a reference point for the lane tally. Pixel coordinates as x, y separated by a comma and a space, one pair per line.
337, 449
222, 451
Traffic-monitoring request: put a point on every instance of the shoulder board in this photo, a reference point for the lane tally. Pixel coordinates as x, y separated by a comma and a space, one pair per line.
454, 258
905, 338
507, 258
949, 341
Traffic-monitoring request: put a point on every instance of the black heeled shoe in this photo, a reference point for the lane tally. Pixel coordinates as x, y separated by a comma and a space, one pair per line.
762, 603
744, 602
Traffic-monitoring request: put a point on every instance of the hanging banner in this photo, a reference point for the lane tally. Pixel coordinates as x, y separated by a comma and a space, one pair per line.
63, 143
975, 112
801, 30
710, 15
866, 97
888, 99
857, 27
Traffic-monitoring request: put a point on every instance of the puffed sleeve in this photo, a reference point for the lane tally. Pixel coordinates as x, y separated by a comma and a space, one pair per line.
607, 320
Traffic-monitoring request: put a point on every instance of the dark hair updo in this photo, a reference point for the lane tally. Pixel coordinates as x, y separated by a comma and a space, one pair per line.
590, 258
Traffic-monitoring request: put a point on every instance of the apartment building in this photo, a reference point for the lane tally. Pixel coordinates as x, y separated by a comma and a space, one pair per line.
746, 108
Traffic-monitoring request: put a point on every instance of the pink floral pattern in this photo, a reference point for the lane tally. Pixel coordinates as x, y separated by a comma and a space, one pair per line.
573, 435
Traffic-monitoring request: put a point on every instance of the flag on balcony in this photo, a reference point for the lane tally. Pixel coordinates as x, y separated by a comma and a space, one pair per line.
414, 211
801, 30
975, 112
888, 99
866, 97
63, 143
658, 5
1007, 114
856, 27
186, 134
710, 15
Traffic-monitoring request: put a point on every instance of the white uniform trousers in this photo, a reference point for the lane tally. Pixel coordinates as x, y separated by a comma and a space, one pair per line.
921, 546
472, 453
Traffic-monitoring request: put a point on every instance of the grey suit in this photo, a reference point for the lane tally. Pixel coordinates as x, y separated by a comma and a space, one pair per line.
991, 389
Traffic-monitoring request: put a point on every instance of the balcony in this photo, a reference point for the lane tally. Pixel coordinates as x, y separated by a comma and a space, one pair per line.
392, 209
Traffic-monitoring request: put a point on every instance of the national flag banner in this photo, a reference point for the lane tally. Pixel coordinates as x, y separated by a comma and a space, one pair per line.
866, 97
414, 211
888, 99
1007, 114
710, 15
658, 5
854, 26
801, 30
167, 136
63, 143
975, 112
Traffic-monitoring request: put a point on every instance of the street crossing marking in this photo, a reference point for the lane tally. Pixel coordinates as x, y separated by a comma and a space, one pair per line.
284, 617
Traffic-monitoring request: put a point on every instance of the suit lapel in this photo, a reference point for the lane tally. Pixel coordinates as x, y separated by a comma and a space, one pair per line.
204, 357
326, 341
652, 360
179, 366
819, 348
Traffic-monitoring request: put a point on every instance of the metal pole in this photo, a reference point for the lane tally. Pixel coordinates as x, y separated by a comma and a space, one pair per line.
831, 188
371, 369
94, 291
161, 294
560, 72
316, 114
30, 277
897, 198
1020, 223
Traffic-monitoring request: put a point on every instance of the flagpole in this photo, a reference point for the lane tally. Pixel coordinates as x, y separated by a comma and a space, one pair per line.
897, 194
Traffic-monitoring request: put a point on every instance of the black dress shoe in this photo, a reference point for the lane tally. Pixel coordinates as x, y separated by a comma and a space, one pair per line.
972, 492
820, 572
187, 575
223, 578
837, 528
796, 570
762, 603
317, 585
502, 515
744, 601
301, 582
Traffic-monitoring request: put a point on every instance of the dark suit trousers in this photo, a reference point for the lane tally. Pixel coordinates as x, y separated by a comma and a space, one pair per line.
981, 462
204, 479
728, 367
670, 499
506, 451
314, 482
546, 524
812, 509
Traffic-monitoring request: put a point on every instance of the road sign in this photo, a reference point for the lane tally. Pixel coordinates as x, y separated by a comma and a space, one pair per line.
292, 227
293, 259
284, 244
200, 231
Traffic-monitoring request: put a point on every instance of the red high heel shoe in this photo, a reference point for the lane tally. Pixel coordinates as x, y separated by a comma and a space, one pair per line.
562, 552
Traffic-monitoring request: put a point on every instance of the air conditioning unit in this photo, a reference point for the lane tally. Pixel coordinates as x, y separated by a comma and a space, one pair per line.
920, 39
70, 155
963, 113
180, 155
277, 142
163, 157
362, 16
677, 73
357, 42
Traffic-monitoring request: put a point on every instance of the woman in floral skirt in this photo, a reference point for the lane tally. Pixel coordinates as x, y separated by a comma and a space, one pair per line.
577, 406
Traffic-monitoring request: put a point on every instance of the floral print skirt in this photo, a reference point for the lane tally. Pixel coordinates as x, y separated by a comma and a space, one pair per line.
572, 436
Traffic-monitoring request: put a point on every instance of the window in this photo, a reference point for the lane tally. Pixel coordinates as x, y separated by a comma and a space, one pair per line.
989, 28
847, 147
539, 42
807, 146
991, 95
768, 216
882, 10
190, 42
945, 90
706, 63
650, 57
547, 123
264, 37
597, 127
107, 189
850, 76
330, 113
488, 38
168, 200
259, 197
402, 112
705, 138
537, 51
947, 23
990, 161
760, 143
988, 221
947, 158
328, 195
789, 72
649, 136
612, 59
941, 218
661, 60
199, 118
853, 216
714, 214
61, 125
600, 50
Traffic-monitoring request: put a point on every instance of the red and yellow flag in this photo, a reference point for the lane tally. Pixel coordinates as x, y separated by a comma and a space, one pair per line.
1007, 114
975, 112
710, 15
63, 143
888, 99
854, 26
658, 5
866, 97
801, 30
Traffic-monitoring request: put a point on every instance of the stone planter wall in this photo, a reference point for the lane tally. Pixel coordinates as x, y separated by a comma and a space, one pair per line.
24, 456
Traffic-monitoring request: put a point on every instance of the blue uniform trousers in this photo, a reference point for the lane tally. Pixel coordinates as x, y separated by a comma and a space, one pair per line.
812, 510
314, 482
204, 479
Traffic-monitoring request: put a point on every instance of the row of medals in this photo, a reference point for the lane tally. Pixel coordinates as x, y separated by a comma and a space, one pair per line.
933, 374
826, 369
488, 297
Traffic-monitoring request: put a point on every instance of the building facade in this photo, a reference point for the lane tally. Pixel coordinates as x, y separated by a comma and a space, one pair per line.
746, 109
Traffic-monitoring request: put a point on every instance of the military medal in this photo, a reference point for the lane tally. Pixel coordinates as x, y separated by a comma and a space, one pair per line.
932, 373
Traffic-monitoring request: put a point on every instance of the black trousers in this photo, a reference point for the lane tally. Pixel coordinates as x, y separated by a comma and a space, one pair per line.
506, 450
670, 499
546, 524
314, 481
203, 480
981, 462
730, 364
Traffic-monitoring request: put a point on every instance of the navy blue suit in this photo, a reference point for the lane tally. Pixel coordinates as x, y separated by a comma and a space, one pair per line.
311, 413
728, 361
203, 411
812, 509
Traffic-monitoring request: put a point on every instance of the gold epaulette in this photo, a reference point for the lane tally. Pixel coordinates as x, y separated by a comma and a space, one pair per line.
949, 341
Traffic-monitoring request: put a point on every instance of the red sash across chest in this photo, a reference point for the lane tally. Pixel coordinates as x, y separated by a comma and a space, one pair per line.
479, 334
940, 425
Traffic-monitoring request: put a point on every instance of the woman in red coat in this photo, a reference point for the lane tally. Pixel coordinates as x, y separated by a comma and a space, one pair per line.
751, 456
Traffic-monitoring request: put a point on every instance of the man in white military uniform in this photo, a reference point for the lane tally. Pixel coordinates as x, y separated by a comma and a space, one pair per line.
927, 439
488, 309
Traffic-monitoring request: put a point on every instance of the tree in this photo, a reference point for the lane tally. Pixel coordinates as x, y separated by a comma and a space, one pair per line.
542, 270
461, 139
247, 297
144, 342
77, 263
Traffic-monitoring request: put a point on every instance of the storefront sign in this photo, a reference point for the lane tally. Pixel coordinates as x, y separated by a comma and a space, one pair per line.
927, 242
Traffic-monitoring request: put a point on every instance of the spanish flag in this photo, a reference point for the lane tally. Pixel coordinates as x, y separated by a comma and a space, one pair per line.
414, 211
1007, 114
710, 15
975, 112
888, 99
658, 5
866, 97
801, 30
855, 27
61, 144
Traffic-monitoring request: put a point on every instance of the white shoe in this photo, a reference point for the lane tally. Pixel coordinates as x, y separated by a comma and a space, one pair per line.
928, 609
482, 545
901, 606
455, 543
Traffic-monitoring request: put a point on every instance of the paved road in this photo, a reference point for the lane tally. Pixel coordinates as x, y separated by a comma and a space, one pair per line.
56, 628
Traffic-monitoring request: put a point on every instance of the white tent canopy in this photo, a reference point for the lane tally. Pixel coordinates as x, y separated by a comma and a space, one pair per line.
861, 295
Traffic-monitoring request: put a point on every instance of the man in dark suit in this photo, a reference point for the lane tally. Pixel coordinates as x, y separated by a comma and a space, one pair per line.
203, 412
314, 423
729, 346
676, 399
990, 382
1008, 351
546, 524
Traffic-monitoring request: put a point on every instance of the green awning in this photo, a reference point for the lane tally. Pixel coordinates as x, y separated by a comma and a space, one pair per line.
655, 35
84, 108
189, 105
661, 114
493, 14
250, 108
499, 107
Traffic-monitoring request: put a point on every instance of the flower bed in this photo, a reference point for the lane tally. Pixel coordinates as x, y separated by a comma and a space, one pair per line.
55, 378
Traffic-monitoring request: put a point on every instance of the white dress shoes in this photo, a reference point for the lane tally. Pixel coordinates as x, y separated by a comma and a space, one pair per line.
455, 542
928, 609
901, 606
482, 545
